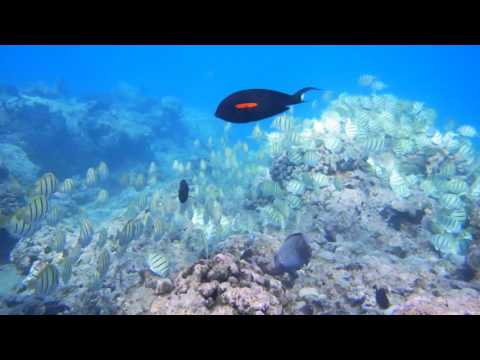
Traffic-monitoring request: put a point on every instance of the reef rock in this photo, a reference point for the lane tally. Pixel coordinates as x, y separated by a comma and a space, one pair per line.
17, 163
455, 302
222, 285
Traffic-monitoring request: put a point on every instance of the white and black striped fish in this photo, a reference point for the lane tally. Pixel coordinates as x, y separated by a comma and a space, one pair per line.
46, 185
103, 263
20, 228
86, 232
102, 196
157, 263
91, 178
46, 280
66, 269
68, 185
53, 216
59, 240
76, 251
131, 231
102, 238
36, 209
102, 170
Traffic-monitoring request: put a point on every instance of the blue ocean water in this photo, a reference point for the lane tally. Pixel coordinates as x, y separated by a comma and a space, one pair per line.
108, 149
444, 77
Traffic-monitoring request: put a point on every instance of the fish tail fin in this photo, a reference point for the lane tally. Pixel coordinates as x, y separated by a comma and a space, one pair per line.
298, 96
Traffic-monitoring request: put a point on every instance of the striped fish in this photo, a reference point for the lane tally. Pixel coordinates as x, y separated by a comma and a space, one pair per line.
311, 158
91, 177
139, 182
158, 225
152, 168
102, 237
459, 215
320, 180
103, 263
257, 133
46, 280
447, 169
403, 147
152, 180
268, 188
333, 144
295, 156
465, 152
102, 196
141, 202
456, 186
375, 124
399, 185
131, 231
36, 210
294, 202
428, 188
147, 221
275, 147
59, 239
66, 269
86, 232
124, 179
273, 216
437, 138
295, 187
53, 216
102, 171
283, 123
46, 185
20, 228
76, 251
467, 131
282, 207
445, 244
292, 138
374, 143
351, 129
157, 263
450, 201
68, 185
417, 106
475, 189
449, 223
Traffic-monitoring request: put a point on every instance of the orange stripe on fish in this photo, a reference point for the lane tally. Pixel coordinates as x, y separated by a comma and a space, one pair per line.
246, 105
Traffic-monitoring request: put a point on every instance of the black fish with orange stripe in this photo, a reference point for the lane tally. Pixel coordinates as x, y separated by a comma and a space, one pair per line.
256, 104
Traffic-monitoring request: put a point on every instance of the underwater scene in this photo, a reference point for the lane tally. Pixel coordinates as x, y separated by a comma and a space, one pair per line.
239, 180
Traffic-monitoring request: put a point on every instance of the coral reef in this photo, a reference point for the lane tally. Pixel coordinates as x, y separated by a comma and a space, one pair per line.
44, 120
388, 203
15, 162
223, 285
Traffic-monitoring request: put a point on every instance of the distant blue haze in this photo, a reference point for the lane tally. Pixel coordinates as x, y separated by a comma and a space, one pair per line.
446, 78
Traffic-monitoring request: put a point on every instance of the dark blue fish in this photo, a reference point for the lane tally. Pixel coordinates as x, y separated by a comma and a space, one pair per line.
294, 253
256, 104
183, 191
382, 298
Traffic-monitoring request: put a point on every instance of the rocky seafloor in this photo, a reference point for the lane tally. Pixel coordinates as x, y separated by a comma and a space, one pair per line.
364, 253
371, 236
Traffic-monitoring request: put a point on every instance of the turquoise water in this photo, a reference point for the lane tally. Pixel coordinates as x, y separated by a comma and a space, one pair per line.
444, 77
94, 141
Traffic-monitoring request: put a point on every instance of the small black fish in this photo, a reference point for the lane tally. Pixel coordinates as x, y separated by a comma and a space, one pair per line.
381, 298
294, 253
256, 104
183, 191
